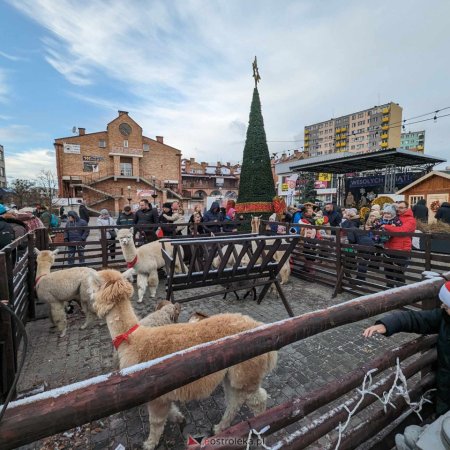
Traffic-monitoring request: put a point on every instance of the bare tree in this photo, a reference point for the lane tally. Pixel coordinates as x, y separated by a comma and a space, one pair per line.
47, 183
24, 192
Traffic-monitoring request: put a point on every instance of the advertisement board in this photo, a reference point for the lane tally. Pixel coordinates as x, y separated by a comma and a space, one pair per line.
72, 148
324, 176
320, 184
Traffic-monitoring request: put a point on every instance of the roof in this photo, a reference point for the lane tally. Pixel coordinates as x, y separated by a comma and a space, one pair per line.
346, 162
425, 177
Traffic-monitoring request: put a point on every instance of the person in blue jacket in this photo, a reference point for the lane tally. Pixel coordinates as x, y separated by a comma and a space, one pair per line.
73, 233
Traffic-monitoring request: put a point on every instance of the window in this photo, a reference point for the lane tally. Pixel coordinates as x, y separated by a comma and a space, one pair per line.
146, 147
354, 117
360, 115
125, 143
2, 172
353, 125
1, 155
361, 122
413, 199
102, 143
126, 169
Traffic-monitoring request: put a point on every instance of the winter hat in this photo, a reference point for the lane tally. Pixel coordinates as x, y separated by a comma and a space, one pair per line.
230, 212
104, 212
390, 209
167, 205
444, 294
375, 214
376, 207
273, 218
352, 212
2, 209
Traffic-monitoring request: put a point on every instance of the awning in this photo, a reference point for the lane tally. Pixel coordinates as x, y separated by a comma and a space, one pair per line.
342, 163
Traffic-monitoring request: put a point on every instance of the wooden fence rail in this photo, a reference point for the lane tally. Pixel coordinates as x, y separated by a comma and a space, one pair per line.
62, 409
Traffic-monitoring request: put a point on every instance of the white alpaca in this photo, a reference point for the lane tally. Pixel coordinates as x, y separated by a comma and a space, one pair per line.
143, 261
285, 270
58, 288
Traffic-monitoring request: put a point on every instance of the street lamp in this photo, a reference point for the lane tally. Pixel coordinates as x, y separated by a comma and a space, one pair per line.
129, 195
154, 195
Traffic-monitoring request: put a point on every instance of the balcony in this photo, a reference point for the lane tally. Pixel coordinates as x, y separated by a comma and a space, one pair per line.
420, 147
385, 110
306, 144
384, 136
385, 127
384, 144
385, 119
306, 132
126, 151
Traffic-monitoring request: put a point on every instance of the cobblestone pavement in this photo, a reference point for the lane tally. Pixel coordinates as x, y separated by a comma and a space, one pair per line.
302, 366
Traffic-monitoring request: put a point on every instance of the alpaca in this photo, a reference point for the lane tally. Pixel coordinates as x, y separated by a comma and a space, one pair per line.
197, 316
145, 261
285, 270
242, 382
58, 288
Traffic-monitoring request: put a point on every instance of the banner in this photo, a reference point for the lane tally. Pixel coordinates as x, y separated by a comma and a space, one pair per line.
325, 176
284, 187
72, 148
320, 184
93, 158
292, 184
401, 179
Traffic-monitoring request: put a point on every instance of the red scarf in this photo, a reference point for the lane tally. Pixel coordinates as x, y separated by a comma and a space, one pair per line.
124, 336
36, 282
131, 264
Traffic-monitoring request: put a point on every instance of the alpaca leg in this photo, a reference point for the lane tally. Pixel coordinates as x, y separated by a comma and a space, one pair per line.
257, 401
175, 415
153, 283
58, 316
89, 315
235, 399
128, 274
158, 410
142, 286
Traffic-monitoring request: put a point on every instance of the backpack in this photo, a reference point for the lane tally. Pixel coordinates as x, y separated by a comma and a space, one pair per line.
6, 234
55, 221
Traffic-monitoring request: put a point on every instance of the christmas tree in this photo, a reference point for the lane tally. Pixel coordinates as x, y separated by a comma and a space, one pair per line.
307, 191
256, 185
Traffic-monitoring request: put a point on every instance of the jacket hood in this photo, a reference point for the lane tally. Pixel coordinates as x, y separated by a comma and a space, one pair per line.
445, 205
421, 202
215, 205
407, 213
74, 215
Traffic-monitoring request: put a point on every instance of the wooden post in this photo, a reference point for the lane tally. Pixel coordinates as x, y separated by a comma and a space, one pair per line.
31, 275
427, 251
74, 405
339, 265
104, 244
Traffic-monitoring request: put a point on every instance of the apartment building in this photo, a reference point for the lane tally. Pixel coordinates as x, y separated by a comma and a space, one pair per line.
119, 166
2, 167
364, 131
413, 140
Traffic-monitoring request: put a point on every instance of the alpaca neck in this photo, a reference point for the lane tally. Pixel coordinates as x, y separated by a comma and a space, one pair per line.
121, 318
129, 251
43, 269
255, 227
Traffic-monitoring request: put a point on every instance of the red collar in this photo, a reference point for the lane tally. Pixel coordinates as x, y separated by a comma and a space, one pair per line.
131, 264
124, 336
36, 282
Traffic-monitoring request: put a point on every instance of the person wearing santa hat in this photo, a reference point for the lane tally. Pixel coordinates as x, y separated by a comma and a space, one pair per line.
433, 321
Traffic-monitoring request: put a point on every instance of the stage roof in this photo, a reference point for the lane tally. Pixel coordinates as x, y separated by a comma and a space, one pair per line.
341, 163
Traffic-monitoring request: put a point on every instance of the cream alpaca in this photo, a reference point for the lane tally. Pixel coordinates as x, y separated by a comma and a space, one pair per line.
285, 271
242, 382
143, 261
58, 288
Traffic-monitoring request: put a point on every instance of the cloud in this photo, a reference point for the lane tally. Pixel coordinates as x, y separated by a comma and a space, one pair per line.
28, 164
184, 68
4, 87
10, 57
16, 133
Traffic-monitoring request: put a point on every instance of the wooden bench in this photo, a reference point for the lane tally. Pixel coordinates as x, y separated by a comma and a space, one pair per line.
235, 263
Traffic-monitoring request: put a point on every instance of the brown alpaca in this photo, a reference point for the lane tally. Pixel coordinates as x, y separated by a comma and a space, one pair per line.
241, 382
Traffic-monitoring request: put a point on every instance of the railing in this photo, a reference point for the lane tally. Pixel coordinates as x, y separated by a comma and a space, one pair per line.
365, 269
70, 406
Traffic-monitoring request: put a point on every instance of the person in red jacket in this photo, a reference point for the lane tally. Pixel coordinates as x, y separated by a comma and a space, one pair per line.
399, 263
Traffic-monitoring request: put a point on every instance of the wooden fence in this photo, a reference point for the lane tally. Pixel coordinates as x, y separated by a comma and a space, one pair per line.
70, 406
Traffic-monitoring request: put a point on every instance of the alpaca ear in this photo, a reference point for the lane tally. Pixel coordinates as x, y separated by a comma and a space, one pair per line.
56, 251
132, 231
175, 312
110, 294
37, 252
160, 305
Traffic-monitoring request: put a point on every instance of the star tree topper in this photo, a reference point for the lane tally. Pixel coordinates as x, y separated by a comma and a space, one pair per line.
256, 72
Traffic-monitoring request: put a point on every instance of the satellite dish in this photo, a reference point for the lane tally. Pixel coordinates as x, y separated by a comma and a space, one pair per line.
74, 129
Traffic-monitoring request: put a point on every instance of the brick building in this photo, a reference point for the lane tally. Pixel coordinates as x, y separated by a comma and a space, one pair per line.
201, 180
2, 168
119, 166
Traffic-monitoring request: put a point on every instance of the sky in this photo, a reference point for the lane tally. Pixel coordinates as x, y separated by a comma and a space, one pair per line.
183, 70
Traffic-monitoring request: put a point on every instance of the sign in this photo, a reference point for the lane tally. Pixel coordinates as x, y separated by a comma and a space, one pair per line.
72, 148
320, 184
93, 158
401, 179
324, 176
90, 167
144, 193
127, 151
292, 184
284, 187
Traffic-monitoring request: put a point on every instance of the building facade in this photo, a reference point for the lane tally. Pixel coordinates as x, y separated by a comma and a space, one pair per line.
413, 140
119, 166
364, 131
2, 167
201, 180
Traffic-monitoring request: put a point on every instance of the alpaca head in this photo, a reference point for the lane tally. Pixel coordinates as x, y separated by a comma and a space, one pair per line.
197, 316
256, 222
45, 257
108, 288
125, 236
173, 308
